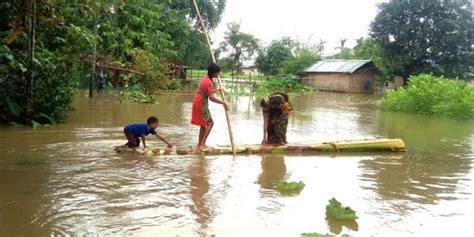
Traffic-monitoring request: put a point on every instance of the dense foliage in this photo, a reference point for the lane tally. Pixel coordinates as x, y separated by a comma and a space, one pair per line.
270, 59
287, 56
430, 95
366, 48
426, 36
42, 44
240, 46
265, 85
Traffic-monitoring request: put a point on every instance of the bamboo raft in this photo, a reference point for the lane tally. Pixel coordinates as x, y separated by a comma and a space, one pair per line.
369, 145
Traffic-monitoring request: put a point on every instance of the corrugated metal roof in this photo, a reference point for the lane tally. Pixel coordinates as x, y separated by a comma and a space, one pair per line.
337, 65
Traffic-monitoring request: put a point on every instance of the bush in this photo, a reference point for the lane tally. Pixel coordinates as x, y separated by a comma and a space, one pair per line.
288, 83
171, 84
137, 94
53, 86
430, 95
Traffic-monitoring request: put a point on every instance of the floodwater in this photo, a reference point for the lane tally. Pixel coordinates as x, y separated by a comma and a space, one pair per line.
68, 180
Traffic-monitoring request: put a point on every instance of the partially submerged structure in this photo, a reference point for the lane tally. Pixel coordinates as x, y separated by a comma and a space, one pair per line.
341, 75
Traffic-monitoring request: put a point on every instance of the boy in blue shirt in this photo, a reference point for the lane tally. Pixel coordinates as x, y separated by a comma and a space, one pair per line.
135, 131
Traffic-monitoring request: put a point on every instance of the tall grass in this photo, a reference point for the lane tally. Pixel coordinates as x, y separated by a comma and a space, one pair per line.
430, 95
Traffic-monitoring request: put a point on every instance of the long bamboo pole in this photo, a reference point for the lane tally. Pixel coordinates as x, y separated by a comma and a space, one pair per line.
218, 77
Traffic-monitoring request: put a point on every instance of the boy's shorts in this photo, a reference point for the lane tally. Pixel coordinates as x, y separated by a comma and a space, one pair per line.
133, 141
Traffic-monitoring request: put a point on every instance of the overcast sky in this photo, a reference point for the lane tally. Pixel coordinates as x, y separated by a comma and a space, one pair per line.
329, 20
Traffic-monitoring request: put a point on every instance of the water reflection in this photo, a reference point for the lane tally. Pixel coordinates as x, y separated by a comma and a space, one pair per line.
335, 225
442, 159
273, 171
199, 187
412, 194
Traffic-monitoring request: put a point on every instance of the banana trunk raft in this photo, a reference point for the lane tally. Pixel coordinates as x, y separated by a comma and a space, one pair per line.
370, 145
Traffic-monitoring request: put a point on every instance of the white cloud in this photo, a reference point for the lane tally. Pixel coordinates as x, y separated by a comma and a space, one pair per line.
329, 20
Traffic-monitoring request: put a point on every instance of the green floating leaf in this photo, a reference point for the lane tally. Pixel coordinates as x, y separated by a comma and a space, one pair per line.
290, 187
83, 171
314, 234
339, 212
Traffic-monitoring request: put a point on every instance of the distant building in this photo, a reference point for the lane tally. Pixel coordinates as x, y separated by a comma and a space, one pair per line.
470, 81
250, 71
341, 75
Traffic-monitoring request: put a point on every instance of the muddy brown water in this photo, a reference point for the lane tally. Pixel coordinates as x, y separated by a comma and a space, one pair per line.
67, 180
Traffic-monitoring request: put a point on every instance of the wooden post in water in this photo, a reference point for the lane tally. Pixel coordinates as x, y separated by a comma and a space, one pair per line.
218, 78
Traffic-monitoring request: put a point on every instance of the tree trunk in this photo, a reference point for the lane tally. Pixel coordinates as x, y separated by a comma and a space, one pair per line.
31, 22
94, 58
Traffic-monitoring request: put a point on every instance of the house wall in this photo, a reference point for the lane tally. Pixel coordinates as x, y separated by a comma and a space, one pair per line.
250, 71
471, 83
342, 82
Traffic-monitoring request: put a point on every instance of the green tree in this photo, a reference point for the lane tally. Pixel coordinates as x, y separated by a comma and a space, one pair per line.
304, 55
42, 42
35, 82
288, 56
426, 36
271, 59
368, 48
211, 11
240, 46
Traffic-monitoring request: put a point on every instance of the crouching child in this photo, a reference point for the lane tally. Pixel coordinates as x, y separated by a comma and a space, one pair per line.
136, 131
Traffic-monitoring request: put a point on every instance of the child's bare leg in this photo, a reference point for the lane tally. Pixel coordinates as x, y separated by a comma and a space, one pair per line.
206, 134
202, 129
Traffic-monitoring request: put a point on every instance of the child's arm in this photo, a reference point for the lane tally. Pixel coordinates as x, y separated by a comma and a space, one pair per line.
215, 100
143, 141
164, 140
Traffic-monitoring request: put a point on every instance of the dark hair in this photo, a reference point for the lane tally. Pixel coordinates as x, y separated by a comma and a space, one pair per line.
151, 119
212, 69
285, 96
276, 99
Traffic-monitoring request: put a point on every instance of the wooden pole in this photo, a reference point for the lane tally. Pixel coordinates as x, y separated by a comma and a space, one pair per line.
218, 77
31, 22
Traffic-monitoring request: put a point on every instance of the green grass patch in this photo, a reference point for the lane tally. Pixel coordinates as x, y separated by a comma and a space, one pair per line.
431, 95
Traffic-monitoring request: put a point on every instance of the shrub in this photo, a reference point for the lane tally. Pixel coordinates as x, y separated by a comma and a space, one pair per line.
430, 95
53, 86
288, 83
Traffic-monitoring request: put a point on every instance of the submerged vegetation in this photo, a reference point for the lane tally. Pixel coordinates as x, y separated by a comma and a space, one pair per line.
290, 188
314, 234
431, 95
336, 209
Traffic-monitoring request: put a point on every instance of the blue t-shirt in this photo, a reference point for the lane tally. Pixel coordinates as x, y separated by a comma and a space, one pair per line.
139, 129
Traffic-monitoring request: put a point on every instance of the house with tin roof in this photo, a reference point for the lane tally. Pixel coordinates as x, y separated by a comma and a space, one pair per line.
341, 75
